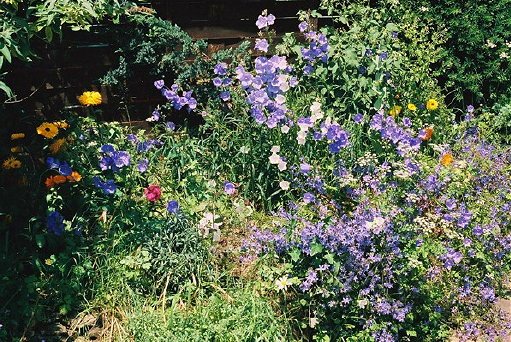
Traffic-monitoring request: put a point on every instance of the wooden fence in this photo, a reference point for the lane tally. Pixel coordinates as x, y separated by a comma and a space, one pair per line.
67, 68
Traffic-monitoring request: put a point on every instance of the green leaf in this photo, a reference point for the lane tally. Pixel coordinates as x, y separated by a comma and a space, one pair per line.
412, 333
295, 255
5, 51
316, 248
40, 240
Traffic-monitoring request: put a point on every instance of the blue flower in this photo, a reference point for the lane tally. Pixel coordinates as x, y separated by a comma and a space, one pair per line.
173, 207
107, 187
107, 149
55, 223
65, 169
303, 26
52, 163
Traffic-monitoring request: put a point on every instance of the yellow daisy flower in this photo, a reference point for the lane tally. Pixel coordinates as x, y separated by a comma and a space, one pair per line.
16, 149
90, 98
432, 104
16, 136
47, 130
412, 107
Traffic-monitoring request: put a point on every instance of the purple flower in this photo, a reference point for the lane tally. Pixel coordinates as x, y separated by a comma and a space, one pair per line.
305, 168
358, 118
217, 82
143, 165
487, 293
159, 84
55, 223
170, 126
383, 56
121, 159
470, 109
394, 34
308, 197
132, 138
225, 95
262, 45
229, 188
173, 207
220, 69
265, 21
303, 26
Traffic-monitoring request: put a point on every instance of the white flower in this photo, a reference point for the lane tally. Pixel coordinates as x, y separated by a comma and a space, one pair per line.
376, 225
490, 44
275, 149
274, 159
280, 99
284, 129
282, 165
282, 283
244, 149
284, 185
300, 137
504, 55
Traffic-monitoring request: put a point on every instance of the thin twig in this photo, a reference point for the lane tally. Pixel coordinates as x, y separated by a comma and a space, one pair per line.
26, 97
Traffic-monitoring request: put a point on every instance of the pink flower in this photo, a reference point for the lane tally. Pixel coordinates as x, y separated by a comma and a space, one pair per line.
152, 192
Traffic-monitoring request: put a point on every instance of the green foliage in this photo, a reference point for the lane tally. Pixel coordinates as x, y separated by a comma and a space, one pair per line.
25, 21
238, 315
475, 66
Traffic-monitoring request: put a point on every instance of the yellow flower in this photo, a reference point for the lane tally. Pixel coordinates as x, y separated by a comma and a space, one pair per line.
16, 149
47, 130
48, 262
412, 107
446, 159
90, 98
394, 111
56, 146
15, 164
16, 136
61, 124
432, 104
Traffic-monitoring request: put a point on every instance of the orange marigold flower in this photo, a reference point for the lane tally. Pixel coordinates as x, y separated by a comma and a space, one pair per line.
74, 177
59, 179
16, 136
90, 98
446, 159
49, 182
56, 146
61, 124
47, 130
428, 133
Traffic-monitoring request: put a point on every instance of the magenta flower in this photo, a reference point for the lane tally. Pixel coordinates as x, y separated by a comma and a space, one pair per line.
152, 192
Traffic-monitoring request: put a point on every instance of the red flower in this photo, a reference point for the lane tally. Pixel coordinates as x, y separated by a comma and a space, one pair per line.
152, 192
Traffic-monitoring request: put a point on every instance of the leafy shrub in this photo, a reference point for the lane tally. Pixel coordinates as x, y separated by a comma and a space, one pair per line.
475, 66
